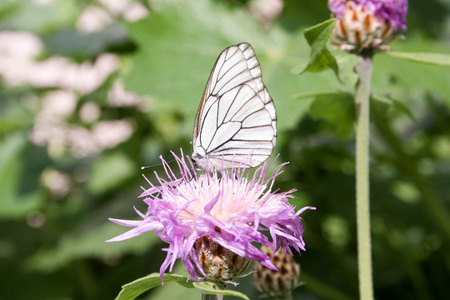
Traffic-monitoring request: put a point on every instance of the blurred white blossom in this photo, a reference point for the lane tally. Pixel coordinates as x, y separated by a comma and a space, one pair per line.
108, 134
90, 112
93, 18
69, 81
49, 124
265, 11
57, 182
59, 103
36, 219
129, 10
97, 16
60, 72
17, 49
135, 12
118, 97
19, 45
18, 66
79, 141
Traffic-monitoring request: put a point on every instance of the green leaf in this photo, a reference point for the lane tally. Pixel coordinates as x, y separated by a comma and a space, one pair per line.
88, 241
401, 79
337, 110
109, 171
16, 200
71, 42
135, 288
397, 105
37, 18
315, 94
347, 75
325, 102
208, 288
320, 58
8, 8
440, 59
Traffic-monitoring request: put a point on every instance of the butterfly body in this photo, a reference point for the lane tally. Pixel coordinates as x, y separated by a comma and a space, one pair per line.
235, 123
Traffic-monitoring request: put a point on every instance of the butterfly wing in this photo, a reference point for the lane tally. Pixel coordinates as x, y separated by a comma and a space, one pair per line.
236, 120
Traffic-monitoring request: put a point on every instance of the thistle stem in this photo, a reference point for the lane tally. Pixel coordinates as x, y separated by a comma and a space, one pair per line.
362, 102
217, 286
212, 297
283, 297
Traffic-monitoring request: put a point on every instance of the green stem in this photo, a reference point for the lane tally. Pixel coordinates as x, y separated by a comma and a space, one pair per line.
362, 96
217, 286
212, 297
283, 297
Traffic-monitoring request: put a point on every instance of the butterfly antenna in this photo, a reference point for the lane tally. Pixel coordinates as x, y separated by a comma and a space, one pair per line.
149, 167
156, 165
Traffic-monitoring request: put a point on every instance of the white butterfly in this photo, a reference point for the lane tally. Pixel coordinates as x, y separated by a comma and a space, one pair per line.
236, 122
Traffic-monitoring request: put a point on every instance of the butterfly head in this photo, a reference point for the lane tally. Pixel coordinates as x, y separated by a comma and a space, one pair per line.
201, 162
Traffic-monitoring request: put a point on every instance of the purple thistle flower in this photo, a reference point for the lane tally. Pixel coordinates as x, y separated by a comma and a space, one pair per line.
227, 209
367, 25
390, 11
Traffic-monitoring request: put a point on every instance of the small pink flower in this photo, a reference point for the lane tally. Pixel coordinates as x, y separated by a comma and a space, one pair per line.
227, 209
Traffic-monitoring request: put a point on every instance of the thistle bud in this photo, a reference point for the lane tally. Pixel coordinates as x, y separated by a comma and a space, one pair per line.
367, 24
217, 262
281, 282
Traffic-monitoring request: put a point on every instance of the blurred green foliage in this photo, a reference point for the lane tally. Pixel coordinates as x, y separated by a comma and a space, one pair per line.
61, 177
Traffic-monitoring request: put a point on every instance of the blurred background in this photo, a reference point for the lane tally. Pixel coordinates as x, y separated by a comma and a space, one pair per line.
90, 91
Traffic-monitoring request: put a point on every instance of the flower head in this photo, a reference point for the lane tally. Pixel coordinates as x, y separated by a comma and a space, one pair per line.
226, 211
367, 23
